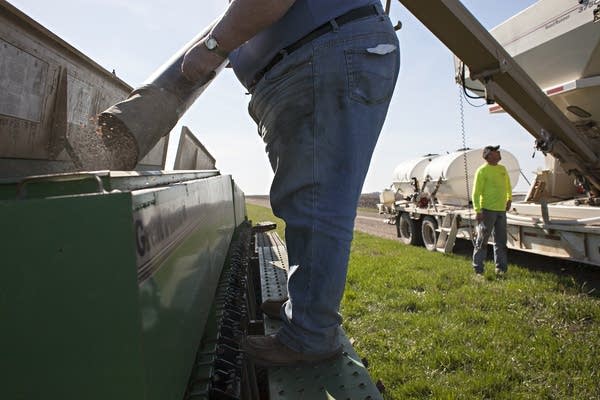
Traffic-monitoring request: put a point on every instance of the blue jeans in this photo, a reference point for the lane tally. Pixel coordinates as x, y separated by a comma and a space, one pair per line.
320, 111
492, 221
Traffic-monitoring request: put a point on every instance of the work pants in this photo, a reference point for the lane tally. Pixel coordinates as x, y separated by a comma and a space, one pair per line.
493, 221
320, 111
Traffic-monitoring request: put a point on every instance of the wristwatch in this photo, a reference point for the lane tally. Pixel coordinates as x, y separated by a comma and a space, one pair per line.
212, 45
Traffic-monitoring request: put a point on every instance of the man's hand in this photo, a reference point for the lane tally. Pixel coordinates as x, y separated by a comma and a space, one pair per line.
241, 21
508, 205
479, 217
199, 63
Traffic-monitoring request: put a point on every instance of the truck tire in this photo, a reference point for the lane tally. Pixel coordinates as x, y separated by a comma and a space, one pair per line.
409, 230
429, 232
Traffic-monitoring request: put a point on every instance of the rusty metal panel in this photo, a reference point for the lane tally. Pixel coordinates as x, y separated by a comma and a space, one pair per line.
79, 101
50, 91
22, 80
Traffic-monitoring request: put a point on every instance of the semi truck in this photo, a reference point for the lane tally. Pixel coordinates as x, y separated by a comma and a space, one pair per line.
543, 67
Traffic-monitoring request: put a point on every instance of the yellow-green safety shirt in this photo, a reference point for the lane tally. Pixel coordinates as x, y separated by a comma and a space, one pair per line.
492, 188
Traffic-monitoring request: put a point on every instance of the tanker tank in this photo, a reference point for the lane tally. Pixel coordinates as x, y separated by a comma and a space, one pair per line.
451, 169
407, 170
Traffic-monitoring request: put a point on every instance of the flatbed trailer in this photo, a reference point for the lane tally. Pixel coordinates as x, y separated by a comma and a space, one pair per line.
560, 230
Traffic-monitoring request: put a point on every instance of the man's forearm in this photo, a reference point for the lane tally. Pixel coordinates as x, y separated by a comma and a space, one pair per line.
245, 18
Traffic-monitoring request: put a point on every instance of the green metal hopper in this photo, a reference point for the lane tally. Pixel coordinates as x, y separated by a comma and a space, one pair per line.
106, 280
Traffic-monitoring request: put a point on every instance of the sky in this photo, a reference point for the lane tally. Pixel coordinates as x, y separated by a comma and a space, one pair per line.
135, 37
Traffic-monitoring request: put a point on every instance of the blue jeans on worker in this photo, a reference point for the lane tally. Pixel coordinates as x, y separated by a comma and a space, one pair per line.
493, 221
320, 111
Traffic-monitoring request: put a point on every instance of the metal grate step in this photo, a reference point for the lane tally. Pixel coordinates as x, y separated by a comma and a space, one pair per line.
343, 378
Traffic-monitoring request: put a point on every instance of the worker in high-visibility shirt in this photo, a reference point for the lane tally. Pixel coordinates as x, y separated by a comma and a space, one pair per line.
492, 197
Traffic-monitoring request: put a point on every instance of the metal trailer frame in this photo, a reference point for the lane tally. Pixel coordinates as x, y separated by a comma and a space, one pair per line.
543, 230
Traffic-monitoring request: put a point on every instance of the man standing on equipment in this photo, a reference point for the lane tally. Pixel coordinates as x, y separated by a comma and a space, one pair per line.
492, 197
321, 74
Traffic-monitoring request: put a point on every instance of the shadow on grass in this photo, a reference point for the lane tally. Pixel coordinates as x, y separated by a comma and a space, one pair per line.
586, 277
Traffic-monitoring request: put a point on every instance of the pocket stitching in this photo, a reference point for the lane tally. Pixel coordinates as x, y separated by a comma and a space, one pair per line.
268, 75
350, 54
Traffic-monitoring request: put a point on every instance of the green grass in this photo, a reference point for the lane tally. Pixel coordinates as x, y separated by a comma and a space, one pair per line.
368, 210
258, 214
430, 330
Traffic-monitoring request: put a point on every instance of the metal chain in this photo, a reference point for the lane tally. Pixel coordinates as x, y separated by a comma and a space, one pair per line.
464, 147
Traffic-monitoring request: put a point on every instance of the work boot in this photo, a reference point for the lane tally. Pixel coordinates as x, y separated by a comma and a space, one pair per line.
268, 351
272, 307
478, 277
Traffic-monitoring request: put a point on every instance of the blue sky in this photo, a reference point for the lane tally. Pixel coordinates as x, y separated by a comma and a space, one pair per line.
136, 37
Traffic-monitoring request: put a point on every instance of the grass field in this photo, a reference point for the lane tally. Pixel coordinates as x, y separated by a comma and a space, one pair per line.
430, 330
258, 214
368, 209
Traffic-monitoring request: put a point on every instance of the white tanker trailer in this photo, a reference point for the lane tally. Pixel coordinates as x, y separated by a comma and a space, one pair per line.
443, 176
556, 43
449, 170
430, 205
545, 71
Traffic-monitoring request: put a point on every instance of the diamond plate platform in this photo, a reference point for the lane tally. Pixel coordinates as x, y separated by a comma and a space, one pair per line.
345, 378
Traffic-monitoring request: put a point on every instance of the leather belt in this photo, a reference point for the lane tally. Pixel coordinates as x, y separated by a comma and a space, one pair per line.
327, 27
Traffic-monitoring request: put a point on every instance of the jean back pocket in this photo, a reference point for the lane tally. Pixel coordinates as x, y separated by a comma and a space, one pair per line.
372, 72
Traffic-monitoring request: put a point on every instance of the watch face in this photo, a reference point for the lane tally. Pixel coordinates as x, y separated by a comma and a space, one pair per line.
211, 43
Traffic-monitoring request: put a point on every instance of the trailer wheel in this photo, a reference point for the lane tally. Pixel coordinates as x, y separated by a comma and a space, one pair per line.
409, 230
429, 233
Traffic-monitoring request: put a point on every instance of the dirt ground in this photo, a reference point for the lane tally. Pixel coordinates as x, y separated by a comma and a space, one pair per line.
588, 277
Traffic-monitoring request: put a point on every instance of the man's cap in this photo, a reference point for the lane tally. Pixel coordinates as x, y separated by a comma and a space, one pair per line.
488, 149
